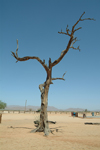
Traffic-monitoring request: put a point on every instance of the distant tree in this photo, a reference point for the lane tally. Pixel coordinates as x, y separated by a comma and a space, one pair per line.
85, 110
2, 105
44, 88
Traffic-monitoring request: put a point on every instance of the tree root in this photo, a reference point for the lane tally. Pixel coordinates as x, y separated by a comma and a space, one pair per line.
38, 129
45, 130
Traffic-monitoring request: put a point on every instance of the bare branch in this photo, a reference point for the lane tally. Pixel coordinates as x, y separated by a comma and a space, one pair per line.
63, 53
77, 29
49, 62
59, 78
82, 15
16, 61
28, 57
68, 29
88, 19
17, 48
75, 48
72, 39
64, 33
44, 61
77, 22
64, 74
81, 20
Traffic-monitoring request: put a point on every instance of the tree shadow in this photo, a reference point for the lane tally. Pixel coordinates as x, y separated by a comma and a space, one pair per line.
19, 127
55, 129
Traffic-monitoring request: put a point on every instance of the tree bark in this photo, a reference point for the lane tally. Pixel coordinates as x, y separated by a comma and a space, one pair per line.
43, 123
44, 126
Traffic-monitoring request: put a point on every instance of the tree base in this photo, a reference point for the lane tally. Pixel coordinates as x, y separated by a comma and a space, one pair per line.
39, 129
46, 131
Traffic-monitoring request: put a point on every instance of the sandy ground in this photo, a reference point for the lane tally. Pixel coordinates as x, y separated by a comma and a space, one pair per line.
72, 133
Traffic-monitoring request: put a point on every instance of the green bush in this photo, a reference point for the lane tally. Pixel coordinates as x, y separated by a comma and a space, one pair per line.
2, 105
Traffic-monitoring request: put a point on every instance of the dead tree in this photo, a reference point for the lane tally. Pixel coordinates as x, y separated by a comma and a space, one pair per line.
44, 88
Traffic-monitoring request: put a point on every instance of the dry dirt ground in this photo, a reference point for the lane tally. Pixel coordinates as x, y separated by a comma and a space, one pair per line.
72, 133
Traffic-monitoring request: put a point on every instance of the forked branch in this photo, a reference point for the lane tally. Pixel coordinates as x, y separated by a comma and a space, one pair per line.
28, 57
70, 44
59, 78
80, 20
72, 40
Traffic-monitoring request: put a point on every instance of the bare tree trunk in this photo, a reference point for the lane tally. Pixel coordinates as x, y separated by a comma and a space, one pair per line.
43, 124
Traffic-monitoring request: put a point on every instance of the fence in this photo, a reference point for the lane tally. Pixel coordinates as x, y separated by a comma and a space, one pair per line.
49, 112
34, 112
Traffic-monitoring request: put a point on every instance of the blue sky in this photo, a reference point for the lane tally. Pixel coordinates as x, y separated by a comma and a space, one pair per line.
35, 23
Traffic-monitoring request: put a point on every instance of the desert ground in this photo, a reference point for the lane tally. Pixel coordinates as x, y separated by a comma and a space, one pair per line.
72, 133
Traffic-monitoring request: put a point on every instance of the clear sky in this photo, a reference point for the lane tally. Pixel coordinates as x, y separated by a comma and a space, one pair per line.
35, 23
